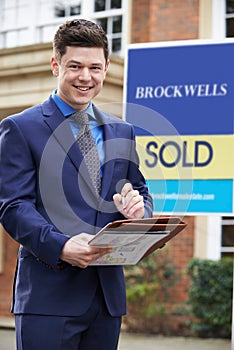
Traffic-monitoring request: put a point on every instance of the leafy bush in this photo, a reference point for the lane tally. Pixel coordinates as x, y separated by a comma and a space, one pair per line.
147, 288
210, 296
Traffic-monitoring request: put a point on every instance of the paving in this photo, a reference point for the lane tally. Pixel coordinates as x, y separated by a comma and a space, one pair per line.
139, 342
147, 342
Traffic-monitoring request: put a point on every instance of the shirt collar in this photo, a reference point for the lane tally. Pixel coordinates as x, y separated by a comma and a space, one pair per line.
66, 109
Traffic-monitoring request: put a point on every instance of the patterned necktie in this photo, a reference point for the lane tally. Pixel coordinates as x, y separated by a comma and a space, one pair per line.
88, 149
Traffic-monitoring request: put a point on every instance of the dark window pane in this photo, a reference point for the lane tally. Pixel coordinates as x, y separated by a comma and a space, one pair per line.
116, 4
75, 10
59, 11
103, 23
227, 255
228, 236
116, 45
230, 27
230, 6
117, 24
99, 5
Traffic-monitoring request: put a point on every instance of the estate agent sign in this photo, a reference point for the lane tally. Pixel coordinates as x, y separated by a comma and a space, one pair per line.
180, 97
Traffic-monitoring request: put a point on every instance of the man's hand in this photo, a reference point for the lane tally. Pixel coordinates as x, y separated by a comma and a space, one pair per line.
78, 252
129, 202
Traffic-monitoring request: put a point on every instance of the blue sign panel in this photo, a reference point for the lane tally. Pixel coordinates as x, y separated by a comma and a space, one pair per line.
180, 97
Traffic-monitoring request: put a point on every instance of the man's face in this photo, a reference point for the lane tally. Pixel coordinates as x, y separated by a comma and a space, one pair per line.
80, 73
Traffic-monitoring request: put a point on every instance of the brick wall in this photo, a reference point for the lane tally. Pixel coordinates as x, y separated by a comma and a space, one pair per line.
181, 251
164, 20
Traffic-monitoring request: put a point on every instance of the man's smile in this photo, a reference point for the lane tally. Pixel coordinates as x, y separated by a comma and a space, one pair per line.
81, 88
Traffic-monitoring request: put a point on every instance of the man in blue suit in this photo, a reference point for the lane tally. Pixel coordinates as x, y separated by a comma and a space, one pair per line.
49, 205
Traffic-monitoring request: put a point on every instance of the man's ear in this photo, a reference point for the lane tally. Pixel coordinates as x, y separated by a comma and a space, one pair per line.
107, 65
54, 66
106, 68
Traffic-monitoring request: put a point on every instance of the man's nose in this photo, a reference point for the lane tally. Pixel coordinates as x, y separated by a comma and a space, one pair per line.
85, 74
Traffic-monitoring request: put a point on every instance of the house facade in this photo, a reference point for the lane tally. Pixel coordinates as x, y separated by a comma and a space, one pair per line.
25, 80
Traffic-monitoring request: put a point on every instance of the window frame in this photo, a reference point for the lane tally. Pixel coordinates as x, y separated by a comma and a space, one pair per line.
227, 222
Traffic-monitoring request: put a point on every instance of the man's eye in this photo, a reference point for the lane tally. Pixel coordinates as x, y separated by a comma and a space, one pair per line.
74, 66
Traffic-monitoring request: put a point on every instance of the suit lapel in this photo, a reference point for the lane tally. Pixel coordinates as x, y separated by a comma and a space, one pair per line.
61, 131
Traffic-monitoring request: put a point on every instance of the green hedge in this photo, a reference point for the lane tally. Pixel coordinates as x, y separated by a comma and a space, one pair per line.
210, 297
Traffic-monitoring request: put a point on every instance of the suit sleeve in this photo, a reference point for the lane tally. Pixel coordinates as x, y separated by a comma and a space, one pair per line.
18, 213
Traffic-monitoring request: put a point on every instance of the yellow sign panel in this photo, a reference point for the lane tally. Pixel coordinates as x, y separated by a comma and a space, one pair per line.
186, 157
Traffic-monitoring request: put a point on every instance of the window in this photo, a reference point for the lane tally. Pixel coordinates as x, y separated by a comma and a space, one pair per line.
109, 16
227, 248
229, 18
25, 22
13, 23
64, 8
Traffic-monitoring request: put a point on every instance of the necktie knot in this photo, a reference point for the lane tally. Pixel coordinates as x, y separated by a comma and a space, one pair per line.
81, 117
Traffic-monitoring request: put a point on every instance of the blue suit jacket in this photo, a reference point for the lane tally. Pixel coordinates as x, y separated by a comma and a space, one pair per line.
46, 196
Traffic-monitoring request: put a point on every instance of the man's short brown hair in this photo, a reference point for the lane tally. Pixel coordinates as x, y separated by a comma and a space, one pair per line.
79, 32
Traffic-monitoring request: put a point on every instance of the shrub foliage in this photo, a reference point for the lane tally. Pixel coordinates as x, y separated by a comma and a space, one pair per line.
210, 296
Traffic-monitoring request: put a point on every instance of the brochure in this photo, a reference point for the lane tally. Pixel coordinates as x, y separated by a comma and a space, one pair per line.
133, 240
